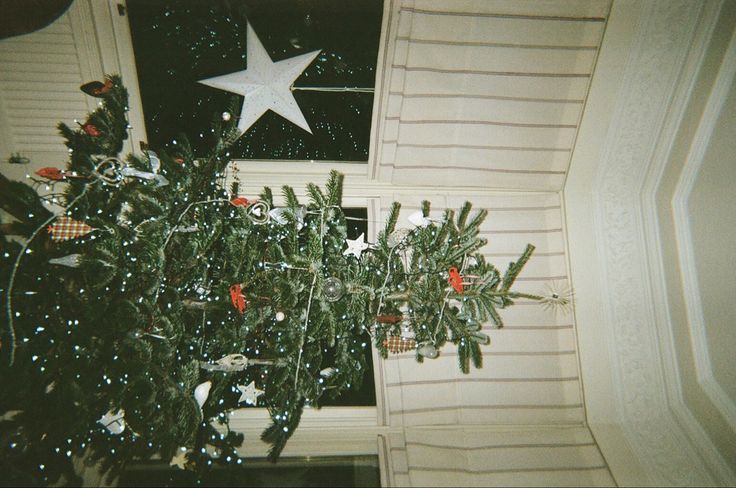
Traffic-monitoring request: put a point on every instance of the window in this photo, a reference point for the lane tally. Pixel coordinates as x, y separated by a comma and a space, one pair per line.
178, 43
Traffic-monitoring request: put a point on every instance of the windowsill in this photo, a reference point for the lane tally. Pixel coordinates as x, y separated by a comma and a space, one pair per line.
249, 419
328, 431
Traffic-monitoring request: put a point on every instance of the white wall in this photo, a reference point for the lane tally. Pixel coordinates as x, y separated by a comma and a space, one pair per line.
712, 212
650, 411
695, 214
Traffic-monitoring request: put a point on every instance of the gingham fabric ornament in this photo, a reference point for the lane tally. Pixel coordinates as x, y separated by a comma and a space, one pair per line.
66, 228
396, 344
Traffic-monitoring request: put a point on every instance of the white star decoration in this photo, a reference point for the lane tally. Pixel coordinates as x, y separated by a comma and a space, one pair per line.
249, 394
180, 458
265, 85
356, 246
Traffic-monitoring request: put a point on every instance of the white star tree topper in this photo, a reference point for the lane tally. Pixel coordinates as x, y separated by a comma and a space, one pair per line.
249, 394
264, 84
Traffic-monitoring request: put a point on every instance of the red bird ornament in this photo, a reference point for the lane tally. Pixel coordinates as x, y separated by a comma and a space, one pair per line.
91, 130
455, 280
240, 202
237, 297
51, 173
97, 88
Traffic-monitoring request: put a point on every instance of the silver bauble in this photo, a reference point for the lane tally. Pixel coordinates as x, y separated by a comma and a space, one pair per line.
333, 289
428, 351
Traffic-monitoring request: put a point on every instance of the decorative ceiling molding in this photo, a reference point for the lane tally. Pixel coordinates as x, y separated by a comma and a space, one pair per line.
657, 75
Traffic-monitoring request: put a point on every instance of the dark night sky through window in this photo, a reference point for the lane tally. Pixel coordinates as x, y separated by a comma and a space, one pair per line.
179, 42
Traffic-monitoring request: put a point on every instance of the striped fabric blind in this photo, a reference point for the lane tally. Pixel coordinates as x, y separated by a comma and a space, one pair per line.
530, 373
492, 88
550, 456
40, 75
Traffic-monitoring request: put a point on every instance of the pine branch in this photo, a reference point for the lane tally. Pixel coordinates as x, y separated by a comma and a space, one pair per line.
267, 196
291, 200
463, 216
334, 188
318, 198
515, 268
392, 219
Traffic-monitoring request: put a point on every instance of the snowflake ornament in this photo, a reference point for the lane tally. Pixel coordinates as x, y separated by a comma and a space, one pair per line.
558, 297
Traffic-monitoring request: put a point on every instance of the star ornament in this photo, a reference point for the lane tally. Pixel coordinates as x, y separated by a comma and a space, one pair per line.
356, 246
264, 84
249, 394
180, 458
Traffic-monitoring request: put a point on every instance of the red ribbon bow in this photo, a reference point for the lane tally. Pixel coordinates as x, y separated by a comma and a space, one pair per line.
456, 280
237, 297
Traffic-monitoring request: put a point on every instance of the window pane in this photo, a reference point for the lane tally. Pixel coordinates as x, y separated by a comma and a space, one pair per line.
177, 43
365, 394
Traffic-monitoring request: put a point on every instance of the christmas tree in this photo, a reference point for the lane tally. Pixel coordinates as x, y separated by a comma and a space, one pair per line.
158, 301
